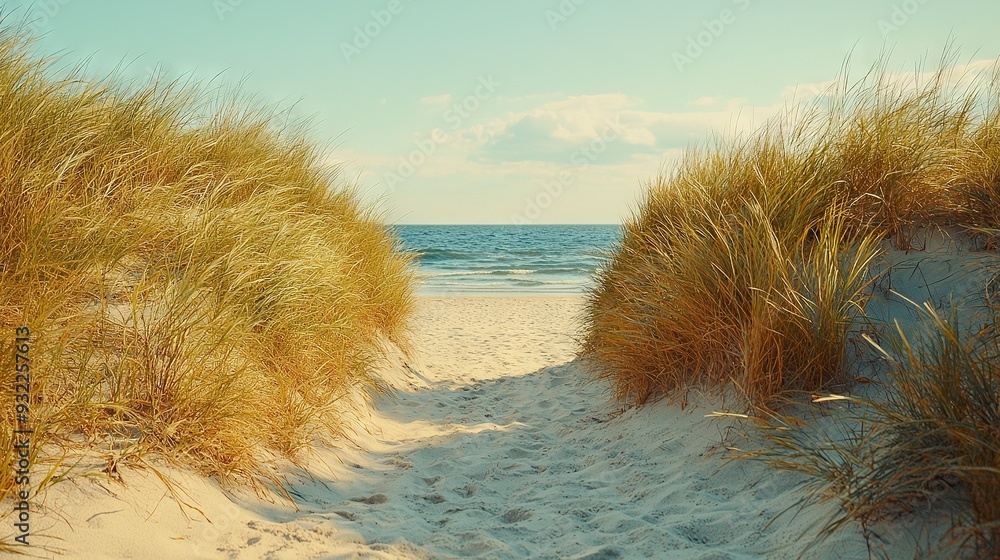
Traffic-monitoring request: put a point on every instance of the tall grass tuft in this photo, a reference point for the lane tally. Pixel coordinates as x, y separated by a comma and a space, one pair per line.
929, 443
750, 261
750, 266
200, 286
980, 169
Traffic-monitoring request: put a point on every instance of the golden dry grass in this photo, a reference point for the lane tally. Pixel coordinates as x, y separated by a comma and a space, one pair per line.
928, 444
749, 262
749, 266
198, 284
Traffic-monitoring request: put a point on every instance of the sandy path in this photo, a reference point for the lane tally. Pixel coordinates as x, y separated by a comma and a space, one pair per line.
501, 447
498, 445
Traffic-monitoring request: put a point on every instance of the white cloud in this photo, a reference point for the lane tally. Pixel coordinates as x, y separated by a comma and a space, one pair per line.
551, 131
535, 144
503, 154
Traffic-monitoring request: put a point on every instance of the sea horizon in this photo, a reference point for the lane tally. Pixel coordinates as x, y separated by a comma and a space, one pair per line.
507, 259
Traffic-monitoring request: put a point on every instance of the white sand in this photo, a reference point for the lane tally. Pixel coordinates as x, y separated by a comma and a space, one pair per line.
498, 445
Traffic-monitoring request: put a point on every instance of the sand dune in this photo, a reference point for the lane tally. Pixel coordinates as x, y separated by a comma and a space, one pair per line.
497, 445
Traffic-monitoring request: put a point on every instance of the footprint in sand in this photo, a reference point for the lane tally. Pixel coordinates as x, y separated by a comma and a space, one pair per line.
515, 515
432, 480
435, 498
518, 453
373, 499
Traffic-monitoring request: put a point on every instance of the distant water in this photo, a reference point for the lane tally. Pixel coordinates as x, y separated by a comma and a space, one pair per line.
508, 259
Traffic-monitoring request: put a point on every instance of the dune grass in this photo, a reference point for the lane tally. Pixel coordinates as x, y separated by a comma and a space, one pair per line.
928, 444
750, 267
199, 285
749, 262
942, 419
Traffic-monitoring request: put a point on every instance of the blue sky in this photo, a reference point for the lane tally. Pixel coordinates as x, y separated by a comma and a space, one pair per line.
546, 111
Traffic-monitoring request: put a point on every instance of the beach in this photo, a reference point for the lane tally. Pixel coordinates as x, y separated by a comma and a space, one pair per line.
497, 444
396, 284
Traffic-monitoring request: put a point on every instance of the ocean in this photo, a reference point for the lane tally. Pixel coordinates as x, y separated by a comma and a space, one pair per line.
507, 259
